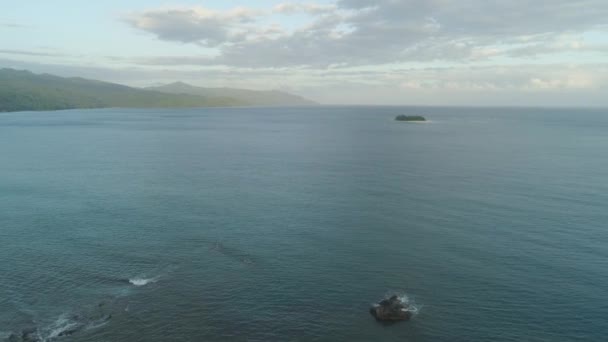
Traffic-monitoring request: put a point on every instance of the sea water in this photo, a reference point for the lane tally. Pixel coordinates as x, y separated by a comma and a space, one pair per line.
286, 224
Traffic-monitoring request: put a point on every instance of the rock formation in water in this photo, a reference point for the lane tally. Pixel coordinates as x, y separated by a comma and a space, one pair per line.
27, 335
391, 309
410, 118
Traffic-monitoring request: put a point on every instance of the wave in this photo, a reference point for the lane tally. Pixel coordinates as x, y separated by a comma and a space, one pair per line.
143, 281
98, 323
63, 326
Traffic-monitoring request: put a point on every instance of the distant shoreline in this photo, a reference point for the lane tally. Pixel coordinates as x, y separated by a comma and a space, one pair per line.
22, 90
140, 108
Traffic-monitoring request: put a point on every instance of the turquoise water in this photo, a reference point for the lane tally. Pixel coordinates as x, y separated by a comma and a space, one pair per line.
285, 224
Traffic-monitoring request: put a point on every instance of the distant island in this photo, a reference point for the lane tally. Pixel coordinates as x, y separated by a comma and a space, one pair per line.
22, 90
410, 118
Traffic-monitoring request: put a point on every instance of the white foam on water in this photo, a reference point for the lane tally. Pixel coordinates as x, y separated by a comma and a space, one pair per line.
61, 325
142, 281
64, 326
97, 324
410, 304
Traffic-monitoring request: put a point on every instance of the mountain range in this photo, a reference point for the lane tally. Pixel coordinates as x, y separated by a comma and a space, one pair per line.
250, 97
22, 90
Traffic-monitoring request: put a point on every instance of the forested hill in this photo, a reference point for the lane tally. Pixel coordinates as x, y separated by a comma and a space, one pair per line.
24, 90
250, 97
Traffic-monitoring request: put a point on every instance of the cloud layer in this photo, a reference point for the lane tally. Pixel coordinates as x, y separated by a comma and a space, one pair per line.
365, 32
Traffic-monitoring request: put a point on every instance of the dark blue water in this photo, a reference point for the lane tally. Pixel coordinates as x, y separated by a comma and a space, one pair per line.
286, 224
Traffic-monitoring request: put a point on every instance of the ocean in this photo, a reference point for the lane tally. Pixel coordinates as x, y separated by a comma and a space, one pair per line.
286, 224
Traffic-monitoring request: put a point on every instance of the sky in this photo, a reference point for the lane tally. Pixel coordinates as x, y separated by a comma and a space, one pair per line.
386, 52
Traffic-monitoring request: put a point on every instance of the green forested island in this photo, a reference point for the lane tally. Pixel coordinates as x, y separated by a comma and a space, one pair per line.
22, 90
410, 118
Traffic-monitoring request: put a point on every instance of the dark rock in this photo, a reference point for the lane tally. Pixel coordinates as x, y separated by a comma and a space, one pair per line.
27, 334
391, 309
30, 335
410, 118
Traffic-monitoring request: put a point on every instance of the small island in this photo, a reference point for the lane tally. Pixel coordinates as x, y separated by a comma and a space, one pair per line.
417, 118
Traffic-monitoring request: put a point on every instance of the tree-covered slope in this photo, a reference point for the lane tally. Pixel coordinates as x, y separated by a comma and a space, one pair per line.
23, 90
249, 97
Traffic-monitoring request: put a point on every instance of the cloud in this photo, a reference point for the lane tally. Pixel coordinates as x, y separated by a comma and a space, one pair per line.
486, 18
517, 85
30, 53
521, 85
310, 8
371, 32
13, 25
513, 78
519, 78
557, 44
194, 25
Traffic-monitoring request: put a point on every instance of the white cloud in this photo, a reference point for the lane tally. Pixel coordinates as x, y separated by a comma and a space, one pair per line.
310, 8
30, 53
195, 25
563, 43
371, 32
